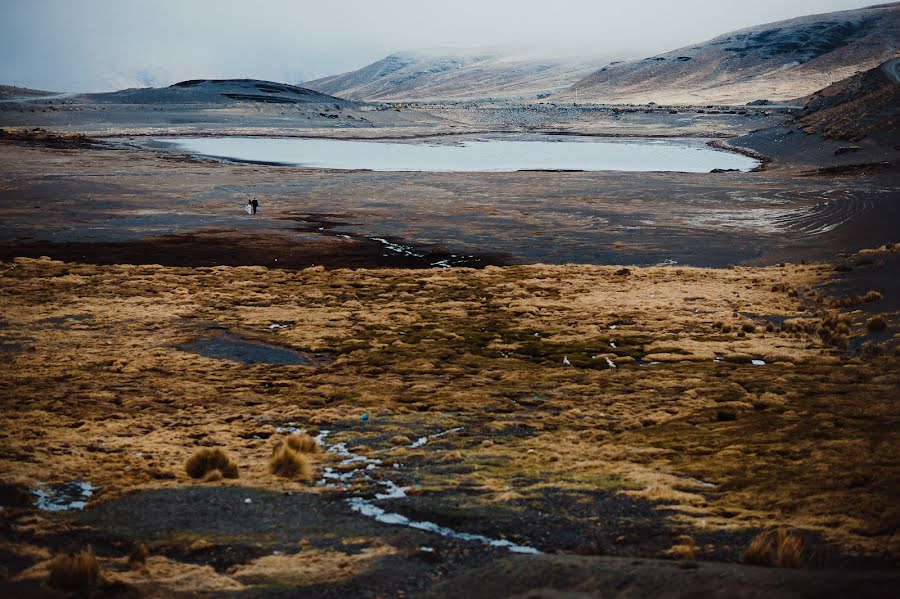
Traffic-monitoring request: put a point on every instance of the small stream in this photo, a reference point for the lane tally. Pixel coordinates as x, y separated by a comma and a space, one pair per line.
364, 468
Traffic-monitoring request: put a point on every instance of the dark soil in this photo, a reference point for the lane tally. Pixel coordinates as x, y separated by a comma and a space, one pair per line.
610, 577
237, 249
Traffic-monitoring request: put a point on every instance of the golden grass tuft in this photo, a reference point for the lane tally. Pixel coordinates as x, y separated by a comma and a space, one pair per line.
684, 549
75, 571
788, 550
400, 440
759, 551
205, 461
776, 548
290, 463
301, 443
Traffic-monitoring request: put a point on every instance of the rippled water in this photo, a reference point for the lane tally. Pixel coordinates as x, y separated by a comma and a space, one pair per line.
473, 155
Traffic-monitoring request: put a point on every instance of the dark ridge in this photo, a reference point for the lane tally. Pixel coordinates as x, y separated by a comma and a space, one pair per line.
264, 99
805, 44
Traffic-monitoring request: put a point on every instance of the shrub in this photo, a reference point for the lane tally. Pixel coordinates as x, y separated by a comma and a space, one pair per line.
776, 548
206, 460
290, 463
748, 327
876, 323
75, 571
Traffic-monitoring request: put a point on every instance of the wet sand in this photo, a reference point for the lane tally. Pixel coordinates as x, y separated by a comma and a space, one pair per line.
127, 205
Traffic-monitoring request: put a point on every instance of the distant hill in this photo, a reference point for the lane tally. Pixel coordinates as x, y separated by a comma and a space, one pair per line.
455, 74
216, 91
778, 61
11, 92
862, 105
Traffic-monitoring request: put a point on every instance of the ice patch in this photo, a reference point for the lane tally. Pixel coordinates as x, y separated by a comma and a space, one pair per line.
68, 496
364, 507
758, 362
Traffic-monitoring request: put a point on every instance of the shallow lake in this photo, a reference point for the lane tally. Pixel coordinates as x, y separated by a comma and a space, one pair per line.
471, 155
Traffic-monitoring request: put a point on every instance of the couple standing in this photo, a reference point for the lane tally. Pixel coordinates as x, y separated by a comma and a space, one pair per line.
251, 206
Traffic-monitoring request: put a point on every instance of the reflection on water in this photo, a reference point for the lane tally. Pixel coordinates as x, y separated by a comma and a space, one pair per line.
222, 345
473, 155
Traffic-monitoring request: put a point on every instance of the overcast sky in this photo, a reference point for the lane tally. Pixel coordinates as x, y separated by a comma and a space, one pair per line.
100, 45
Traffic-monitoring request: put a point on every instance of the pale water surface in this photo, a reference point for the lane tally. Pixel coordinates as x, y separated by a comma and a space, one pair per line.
495, 154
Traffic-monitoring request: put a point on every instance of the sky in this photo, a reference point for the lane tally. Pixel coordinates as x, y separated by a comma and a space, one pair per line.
103, 45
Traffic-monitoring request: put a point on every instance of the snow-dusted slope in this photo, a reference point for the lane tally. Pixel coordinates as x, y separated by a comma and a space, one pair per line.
778, 61
217, 91
455, 74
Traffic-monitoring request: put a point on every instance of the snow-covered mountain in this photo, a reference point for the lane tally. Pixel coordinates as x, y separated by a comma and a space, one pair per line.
456, 74
778, 61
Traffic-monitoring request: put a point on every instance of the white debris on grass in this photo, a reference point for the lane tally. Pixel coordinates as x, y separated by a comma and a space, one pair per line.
396, 247
758, 362
423, 440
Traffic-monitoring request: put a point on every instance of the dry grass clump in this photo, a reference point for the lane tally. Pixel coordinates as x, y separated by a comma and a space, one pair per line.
301, 443
872, 349
767, 400
205, 462
138, 555
684, 549
400, 440
876, 323
872, 296
75, 571
776, 548
748, 327
290, 463
856, 300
